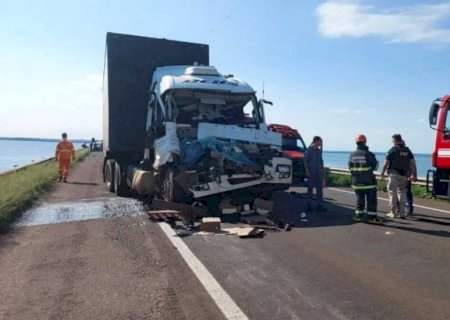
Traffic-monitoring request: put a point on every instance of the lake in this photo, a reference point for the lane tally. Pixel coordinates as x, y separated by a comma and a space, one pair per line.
338, 159
18, 153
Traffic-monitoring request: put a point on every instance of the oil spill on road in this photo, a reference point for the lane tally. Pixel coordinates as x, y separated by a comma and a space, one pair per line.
80, 210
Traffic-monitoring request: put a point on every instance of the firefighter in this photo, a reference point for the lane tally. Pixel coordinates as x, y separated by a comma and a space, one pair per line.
400, 166
362, 163
65, 152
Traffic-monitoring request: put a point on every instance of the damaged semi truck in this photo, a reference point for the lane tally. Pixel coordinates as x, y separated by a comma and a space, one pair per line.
175, 128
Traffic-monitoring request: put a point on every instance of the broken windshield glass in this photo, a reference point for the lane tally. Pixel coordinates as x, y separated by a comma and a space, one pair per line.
187, 107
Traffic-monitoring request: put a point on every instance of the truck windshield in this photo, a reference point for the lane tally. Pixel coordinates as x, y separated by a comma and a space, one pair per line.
193, 107
294, 144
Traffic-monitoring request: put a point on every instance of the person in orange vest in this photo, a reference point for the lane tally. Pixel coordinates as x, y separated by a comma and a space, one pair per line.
64, 154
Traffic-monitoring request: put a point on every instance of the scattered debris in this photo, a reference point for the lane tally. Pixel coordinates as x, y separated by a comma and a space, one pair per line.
248, 232
188, 212
163, 215
262, 206
210, 224
288, 227
389, 232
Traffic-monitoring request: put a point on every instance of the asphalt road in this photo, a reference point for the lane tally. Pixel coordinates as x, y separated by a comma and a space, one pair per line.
329, 268
115, 264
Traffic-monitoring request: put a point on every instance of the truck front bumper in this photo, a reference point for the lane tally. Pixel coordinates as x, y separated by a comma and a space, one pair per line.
279, 174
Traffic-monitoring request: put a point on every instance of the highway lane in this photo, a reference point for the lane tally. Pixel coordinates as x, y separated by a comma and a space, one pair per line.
329, 268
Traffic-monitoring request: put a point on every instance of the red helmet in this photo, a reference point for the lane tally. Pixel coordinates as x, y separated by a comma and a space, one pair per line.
361, 138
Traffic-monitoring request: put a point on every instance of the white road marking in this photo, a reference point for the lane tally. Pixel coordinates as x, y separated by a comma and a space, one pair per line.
418, 206
225, 303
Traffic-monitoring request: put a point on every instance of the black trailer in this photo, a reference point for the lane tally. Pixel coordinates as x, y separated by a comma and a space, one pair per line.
129, 64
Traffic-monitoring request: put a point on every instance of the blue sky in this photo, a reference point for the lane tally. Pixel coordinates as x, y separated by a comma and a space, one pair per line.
332, 68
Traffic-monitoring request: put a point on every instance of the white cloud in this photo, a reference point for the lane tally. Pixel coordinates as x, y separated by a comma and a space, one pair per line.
418, 23
421, 120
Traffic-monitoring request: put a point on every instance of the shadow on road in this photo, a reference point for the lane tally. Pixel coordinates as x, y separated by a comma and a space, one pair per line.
291, 208
82, 183
437, 233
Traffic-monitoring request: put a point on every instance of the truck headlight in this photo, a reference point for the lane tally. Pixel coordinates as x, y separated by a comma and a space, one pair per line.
282, 168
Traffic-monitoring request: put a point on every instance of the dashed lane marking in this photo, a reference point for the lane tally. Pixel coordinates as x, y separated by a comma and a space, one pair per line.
223, 301
418, 206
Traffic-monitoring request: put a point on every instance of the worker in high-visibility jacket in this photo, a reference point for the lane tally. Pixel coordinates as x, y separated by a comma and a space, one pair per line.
362, 163
64, 154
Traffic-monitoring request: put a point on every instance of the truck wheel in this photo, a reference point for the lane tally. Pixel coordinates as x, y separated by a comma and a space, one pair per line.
120, 182
170, 190
109, 175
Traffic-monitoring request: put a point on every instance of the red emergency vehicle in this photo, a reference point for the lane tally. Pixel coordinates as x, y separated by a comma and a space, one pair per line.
293, 148
438, 180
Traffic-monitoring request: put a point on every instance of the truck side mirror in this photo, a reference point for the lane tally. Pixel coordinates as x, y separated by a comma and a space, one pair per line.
432, 117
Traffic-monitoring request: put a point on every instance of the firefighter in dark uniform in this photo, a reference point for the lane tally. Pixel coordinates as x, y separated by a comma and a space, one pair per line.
362, 163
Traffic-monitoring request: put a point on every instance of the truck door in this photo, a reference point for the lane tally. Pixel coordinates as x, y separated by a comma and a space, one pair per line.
166, 143
440, 121
443, 138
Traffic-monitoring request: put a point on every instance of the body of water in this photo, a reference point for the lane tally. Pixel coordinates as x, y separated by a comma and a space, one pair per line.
14, 153
340, 160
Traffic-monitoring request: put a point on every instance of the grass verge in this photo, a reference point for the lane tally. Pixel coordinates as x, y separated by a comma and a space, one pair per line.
346, 180
19, 189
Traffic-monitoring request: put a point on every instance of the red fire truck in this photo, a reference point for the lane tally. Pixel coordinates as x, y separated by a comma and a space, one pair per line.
293, 148
438, 180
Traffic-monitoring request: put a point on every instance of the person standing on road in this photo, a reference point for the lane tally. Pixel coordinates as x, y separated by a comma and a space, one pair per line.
65, 152
362, 163
315, 170
398, 163
409, 196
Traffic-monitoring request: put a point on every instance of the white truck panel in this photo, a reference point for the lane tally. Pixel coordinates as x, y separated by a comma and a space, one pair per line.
237, 133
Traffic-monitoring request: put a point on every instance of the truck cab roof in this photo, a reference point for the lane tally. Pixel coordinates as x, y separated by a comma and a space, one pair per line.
193, 77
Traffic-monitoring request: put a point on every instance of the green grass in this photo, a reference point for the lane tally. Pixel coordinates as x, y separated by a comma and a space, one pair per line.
346, 180
21, 188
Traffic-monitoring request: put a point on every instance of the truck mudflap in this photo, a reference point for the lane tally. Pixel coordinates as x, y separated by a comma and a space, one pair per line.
279, 173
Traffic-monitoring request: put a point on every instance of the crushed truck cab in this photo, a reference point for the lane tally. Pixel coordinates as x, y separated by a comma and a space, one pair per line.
196, 127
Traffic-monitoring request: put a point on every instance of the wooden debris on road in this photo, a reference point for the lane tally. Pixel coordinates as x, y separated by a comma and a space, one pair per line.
210, 224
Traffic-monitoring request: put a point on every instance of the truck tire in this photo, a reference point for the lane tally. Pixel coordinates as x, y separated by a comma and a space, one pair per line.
170, 190
109, 175
120, 182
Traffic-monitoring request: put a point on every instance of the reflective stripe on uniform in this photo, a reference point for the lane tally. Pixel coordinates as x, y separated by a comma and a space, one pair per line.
359, 211
371, 213
364, 187
361, 169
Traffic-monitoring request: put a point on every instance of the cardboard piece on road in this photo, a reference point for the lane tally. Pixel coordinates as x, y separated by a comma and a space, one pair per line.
245, 231
210, 224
